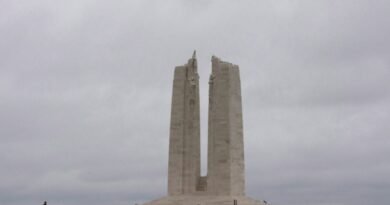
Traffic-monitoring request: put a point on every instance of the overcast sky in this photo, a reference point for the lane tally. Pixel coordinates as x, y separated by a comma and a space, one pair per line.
85, 91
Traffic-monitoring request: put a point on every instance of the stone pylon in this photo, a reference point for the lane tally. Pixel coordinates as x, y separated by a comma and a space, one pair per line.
225, 175
184, 142
225, 179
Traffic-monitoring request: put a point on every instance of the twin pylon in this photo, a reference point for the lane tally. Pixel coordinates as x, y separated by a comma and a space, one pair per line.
225, 172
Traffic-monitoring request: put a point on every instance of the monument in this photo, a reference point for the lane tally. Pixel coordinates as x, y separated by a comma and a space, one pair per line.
225, 179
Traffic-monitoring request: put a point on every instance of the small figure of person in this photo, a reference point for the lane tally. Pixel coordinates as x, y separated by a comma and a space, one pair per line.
44, 203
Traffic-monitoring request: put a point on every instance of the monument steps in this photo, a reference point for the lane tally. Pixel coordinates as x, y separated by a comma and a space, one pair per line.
205, 200
202, 184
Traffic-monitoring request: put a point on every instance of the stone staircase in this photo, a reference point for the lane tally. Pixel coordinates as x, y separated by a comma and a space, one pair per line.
202, 184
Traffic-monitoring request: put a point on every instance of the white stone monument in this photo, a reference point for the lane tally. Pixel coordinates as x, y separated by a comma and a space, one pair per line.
225, 180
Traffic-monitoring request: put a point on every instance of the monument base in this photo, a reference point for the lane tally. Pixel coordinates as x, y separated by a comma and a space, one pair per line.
205, 200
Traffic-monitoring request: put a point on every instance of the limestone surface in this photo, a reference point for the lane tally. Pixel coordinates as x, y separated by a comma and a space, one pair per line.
184, 142
225, 179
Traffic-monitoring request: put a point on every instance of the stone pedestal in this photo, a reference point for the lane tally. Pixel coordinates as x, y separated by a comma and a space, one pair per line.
205, 200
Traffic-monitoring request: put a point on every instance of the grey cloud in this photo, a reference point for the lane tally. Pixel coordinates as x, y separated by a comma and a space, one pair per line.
85, 96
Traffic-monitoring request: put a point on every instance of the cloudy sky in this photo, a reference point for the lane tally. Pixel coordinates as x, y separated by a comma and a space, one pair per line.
85, 90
